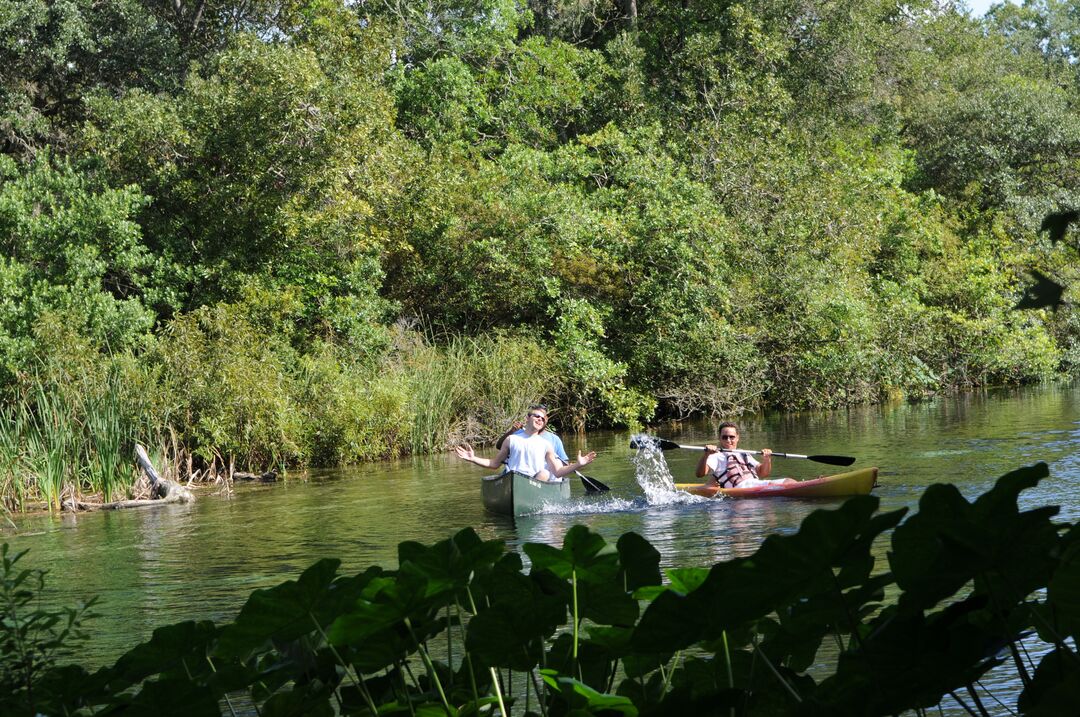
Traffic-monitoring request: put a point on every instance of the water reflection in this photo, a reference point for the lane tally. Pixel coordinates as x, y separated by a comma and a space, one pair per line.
201, 561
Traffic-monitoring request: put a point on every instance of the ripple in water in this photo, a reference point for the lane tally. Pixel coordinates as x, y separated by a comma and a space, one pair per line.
652, 474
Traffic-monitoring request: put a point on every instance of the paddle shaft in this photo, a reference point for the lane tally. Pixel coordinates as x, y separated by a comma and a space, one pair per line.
831, 460
741, 450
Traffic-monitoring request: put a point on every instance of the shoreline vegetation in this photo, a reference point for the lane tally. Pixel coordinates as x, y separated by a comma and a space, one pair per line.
269, 235
973, 609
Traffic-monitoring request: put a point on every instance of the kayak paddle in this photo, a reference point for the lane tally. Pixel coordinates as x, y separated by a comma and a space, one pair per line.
667, 445
591, 484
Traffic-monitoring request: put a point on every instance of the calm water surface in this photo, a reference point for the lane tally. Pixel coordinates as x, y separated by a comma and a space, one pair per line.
153, 567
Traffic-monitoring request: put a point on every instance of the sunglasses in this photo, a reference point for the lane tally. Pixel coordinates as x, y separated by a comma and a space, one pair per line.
541, 416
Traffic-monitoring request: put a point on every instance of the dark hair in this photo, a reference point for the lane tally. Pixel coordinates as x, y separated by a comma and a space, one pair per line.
727, 424
538, 407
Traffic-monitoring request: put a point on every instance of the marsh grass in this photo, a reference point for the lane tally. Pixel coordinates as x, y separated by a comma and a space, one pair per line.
70, 427
11, 459
63, 437
51, 443
438, 392
105, 440
473, 388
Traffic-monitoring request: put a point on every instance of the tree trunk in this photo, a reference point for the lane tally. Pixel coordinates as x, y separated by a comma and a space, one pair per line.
629, 11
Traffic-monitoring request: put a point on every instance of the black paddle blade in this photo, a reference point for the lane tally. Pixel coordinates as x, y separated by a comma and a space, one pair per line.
833, 460
639, 442
592, 485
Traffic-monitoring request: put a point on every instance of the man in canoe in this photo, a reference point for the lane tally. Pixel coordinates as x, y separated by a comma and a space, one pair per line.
518, 429
728, 468
530, 453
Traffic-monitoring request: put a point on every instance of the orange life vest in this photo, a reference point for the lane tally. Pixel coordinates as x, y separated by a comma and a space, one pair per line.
737, 469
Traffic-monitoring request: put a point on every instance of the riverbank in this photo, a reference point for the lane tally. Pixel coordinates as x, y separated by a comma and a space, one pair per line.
71, 433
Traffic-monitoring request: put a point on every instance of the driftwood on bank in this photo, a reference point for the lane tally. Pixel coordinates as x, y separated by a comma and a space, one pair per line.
267, 477
162, 490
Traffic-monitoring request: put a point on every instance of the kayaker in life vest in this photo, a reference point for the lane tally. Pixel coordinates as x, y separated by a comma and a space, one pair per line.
529, 454
728, 468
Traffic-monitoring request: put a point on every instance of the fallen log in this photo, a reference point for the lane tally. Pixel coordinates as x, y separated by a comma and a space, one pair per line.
267, 477
162, 491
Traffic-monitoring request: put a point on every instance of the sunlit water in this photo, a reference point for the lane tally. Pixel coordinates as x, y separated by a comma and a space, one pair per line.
158, 566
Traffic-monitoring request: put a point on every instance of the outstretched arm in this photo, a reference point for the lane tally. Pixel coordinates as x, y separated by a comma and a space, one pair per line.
465, 453
582, 461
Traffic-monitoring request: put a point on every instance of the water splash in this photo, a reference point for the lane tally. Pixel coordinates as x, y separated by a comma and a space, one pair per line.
653, 475
592, 504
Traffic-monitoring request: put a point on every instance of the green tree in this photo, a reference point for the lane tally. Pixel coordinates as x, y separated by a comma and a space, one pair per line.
72, 248
265, 166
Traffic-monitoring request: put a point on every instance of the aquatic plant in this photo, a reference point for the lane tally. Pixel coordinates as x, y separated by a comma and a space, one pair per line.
51, 447
595, 628
106, 440
33, 639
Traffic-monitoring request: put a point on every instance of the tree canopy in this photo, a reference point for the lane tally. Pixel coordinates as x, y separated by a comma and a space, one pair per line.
688, 207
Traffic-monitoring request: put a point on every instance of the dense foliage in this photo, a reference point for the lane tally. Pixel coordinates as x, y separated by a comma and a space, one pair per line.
808, 625
283, 221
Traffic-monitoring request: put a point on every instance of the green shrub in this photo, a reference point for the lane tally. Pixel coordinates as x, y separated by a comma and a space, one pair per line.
230, 389
351, 413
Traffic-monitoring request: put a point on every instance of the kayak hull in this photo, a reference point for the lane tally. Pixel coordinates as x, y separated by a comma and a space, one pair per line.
518, 494
859, 482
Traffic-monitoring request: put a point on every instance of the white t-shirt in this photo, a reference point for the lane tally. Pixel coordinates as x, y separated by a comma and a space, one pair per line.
527, 454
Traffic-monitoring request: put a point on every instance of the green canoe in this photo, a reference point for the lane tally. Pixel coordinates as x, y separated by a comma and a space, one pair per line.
518, 494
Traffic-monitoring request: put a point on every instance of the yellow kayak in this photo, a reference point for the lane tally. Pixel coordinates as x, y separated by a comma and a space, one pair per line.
859, 482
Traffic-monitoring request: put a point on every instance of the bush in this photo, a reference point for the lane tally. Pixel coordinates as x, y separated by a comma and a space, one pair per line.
231, 394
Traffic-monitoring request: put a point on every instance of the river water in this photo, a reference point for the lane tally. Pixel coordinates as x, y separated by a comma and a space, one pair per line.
159, 566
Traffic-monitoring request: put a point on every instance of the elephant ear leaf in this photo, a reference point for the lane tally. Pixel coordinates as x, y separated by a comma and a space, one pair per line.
1045, 292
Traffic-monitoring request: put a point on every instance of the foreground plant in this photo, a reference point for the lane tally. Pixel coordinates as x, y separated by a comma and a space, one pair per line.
463, 627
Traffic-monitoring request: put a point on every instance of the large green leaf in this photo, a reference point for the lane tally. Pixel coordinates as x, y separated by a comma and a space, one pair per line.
828, 553
639, 560
950, 542
179, 650
910, 661
449, 564
294, 608
585, 700
509, 632
1063, 591
174, 697
583, 553
1055, 686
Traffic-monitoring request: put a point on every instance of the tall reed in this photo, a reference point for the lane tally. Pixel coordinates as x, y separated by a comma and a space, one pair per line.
50, 442
473, 388
105, 438
438, 389
11, 459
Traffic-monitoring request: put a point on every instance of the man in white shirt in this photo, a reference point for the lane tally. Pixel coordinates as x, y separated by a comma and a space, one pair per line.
529, 454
